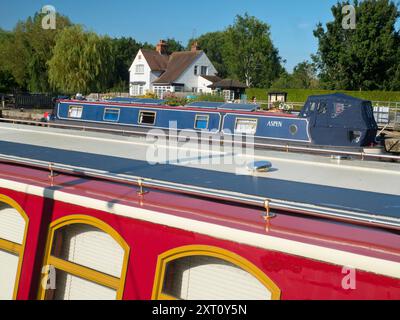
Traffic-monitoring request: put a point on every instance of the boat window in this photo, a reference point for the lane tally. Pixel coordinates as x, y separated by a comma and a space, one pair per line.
89, 259
323, 108
246, 126
147, 118
111, 114
13, 223
75, 112
211, 274
201, 122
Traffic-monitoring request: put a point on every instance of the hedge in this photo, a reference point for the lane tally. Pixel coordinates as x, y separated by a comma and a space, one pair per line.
301, 95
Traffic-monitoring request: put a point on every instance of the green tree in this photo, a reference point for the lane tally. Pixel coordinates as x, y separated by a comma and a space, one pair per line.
7, 81
27, 51
365, 58
304, 76
173, 45
212, 44
82, 62
124, 51
250, 55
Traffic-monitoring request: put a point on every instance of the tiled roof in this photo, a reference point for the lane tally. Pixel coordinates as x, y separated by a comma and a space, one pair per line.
178, 63
156, 61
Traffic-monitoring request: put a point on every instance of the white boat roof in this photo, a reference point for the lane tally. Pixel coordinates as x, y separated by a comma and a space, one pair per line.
362, 186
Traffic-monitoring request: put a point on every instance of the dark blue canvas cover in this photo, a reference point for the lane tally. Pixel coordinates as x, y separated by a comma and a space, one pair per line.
340, 120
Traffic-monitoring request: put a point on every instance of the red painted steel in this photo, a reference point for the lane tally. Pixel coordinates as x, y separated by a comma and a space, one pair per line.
297, 277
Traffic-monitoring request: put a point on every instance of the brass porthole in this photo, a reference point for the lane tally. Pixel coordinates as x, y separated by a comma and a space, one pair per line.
293, 129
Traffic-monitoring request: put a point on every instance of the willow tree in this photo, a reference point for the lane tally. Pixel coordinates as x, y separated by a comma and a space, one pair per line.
27, 49
82, 62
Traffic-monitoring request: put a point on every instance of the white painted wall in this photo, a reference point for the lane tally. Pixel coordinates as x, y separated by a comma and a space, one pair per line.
147, 77
188, 77
192, 81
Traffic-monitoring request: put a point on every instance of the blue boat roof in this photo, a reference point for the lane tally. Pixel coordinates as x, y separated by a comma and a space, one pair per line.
137, 100
224, 106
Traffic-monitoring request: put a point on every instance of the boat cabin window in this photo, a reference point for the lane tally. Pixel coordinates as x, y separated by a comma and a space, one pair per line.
75, 112
323, 108
199, 273
147, 118
201, 122
111, 114
89, 261
12, 237
246, 126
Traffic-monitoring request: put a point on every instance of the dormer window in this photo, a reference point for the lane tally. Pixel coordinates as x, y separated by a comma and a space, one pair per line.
204, 70
140, 69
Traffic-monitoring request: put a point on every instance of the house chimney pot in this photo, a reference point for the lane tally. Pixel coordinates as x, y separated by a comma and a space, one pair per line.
195, 46
161, 47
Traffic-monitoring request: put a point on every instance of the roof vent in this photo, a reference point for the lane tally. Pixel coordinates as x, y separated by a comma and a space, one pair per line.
259, 166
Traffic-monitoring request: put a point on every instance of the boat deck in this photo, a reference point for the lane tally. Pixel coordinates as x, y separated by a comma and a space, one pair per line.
358, 186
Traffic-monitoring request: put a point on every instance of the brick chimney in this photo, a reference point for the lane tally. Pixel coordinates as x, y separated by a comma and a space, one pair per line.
195, 46
161, 47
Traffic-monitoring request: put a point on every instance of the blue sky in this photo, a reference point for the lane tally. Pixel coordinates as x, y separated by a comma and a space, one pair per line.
291, 21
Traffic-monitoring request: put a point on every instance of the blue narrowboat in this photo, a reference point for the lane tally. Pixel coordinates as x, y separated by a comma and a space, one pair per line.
329, 120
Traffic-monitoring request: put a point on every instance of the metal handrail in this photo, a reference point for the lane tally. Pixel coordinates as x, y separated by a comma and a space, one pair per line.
259, 145
374, 220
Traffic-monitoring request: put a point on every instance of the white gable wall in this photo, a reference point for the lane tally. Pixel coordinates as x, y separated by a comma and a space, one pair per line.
190, 80
147, 76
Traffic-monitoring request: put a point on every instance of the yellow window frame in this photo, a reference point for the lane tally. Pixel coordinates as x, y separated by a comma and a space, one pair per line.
118, 284
215, 252
15, 248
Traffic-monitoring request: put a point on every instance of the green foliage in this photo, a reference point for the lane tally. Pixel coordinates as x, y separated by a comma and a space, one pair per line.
82, 62
212, 44
303, 77
243, 51
366, 58
301, 95
124, 51
210, 97
26, 51
174, 101
174, 46
250, 54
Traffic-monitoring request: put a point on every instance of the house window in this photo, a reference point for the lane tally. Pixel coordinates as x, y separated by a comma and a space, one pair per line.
111, 114
208, 273
90, 260
196, 70
13, 226
194, 90
178, 88
201, 122
204, 70
246, 126
161, 90
75, 112
137, 90
147, 118
140, 69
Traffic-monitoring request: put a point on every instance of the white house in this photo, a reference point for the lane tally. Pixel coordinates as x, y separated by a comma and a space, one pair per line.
158, 72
